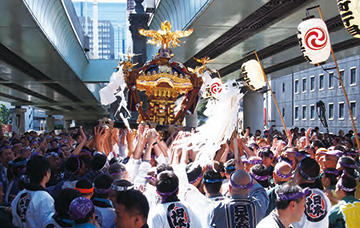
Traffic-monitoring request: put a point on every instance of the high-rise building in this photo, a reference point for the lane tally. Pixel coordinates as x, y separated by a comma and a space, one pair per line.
106, 45
111, 19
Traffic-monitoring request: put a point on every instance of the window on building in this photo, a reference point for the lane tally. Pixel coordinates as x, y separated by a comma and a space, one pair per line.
312, 83
304, 112
341, 110
321, 81
296, 86
353, 108
296, 112
304, 85
283, 112
312, 112
331, 80
353, 76
283, 87
331, 111
342, 74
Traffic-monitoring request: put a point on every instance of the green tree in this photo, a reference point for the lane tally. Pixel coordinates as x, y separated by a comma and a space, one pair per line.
5, 115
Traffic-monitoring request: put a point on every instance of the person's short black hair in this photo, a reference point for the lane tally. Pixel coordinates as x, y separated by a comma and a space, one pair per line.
317, 143
265, 152
36, 168
73, 164
163, 167
349, 165
212, 181
118, 169
63, 200
98, 161
15, 168
115, 160
350, 183
83, 183
102, 181
260, 170
122, 183
193, 172
86, 160
134, 202
284, 159
286, 189
119, 187
309, 167
167, 182
229, 166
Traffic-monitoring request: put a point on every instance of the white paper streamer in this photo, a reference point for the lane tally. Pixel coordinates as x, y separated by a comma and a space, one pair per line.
115, 88
219, 126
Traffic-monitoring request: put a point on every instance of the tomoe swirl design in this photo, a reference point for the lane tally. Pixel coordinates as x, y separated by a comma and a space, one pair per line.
215, 88
316, 38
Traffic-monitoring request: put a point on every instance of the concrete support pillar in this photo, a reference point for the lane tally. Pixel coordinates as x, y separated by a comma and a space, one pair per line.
254, 111
191, 120
18, 119
138, 20
50, 123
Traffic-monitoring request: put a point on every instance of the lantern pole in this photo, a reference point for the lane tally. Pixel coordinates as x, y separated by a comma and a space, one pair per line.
219, 76
273, 96
343, 87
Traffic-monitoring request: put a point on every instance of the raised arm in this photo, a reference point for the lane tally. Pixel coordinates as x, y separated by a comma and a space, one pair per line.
82, 142
98, 136
141, 142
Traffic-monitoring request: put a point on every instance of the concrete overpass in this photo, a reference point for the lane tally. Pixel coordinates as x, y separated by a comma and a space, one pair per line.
43, 62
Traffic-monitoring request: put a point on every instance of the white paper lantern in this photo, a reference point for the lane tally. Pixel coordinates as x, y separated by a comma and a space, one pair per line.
314, 40
350, 15
252, 72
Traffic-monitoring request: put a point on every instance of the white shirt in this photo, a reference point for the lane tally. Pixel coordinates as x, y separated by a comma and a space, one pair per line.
199, 203
152, 197
173, 214
317, 210
32, 209
270, 221
132, 168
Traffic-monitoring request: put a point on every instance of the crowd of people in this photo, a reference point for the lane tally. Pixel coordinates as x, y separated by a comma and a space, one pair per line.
109, 177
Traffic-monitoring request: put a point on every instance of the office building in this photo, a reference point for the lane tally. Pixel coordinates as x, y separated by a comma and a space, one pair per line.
298, 93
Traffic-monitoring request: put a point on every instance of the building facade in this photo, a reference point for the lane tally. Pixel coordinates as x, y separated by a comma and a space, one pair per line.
106, 45
298, 93
112, 26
